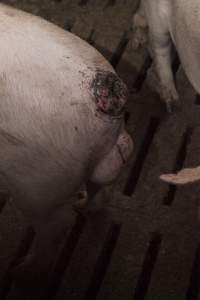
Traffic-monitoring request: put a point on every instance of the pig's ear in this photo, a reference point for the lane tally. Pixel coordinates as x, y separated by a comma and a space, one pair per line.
183, 177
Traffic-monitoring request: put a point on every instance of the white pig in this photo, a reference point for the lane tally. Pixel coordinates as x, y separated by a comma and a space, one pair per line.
168, 21
61, 122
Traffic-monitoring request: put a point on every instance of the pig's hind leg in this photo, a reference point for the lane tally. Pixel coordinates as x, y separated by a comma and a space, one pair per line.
162, 56
161, 47
139, 28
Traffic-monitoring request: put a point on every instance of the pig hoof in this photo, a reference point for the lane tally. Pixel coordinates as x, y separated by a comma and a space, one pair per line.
139, 38
140, 35
171, 98
171, 106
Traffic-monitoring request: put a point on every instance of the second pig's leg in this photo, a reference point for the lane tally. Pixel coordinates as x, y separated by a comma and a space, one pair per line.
161, 43
140, 28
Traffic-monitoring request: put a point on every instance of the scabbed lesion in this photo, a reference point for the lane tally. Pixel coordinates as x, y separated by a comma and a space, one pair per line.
110, 93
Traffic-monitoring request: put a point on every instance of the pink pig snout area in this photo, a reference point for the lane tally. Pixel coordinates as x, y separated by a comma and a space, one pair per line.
110, 167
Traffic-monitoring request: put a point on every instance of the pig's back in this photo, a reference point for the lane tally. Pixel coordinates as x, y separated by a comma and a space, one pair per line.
186, 35
45, 73
32, 31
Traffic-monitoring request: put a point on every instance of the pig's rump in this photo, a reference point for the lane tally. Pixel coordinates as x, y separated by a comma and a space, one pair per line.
51, 135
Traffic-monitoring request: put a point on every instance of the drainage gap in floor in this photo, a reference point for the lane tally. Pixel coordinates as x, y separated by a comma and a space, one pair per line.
91, 38
120, 50
69, 23
65, 257
127, 116
83, 2
168, 200
137, 85
148, 266
194, 285
103, 262
197, 99
110, 3
3, 200
140, 159
175, 64
7, 281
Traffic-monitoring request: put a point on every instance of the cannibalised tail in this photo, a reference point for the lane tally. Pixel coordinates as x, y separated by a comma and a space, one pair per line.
184, 176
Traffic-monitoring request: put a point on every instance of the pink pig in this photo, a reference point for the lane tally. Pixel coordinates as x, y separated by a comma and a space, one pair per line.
61, 122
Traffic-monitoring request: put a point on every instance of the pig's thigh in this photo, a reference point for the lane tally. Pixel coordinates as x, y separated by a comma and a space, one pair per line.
140, 28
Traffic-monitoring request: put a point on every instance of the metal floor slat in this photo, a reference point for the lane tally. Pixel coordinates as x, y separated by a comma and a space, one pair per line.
81, 268
127, 260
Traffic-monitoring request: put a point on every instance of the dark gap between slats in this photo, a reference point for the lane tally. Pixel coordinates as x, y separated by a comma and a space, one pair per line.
6, 283
103, 262
120, 50
110, 3
197, 99
137, 85
148, 266
3, 200
168, 200
91, 38
127, 116
69, 24
175, 63
83, 2
142, 154
194, 285
65, 257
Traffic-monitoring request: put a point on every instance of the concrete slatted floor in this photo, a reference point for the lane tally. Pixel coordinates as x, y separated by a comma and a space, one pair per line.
146, 245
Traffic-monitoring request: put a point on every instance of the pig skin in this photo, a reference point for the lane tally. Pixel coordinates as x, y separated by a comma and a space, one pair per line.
177, 22
53, 136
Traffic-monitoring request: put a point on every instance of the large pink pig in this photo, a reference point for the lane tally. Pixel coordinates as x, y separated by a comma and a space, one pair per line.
61, 121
